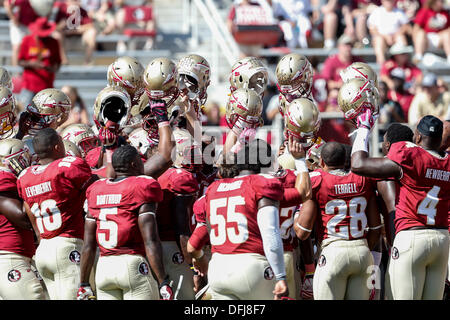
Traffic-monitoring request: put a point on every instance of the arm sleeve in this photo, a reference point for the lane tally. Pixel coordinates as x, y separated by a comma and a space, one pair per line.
268, 223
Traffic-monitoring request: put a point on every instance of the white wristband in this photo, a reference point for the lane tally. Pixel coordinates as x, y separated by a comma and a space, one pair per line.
300, 165
361, 142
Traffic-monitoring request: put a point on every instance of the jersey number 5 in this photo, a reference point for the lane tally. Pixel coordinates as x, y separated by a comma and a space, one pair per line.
218, 221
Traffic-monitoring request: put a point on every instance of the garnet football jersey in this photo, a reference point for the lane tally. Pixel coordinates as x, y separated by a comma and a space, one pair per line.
288, 205
115, 207
174, 182
342, 198
231, 211
424, 192
56, 196
13, 239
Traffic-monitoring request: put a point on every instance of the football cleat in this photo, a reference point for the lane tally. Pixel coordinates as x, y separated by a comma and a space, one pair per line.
249, 73
294, 75
302, 121
14, 155
358, 94
244, 110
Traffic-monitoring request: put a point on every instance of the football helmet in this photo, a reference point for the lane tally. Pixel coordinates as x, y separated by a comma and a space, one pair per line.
47, 109
249, 73
282, 104
141, 114
188, 151
243, 110
71, 149
82, 136
7, 109
139, 139
194, 78
161, 80
112, 104
359, 70
355, 94
313, 153
5, 79
126, 72
302, 121
294, 75
14, 155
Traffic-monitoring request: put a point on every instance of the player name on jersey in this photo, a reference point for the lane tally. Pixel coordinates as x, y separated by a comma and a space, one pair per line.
437, 174
229, 186
345, 188
108, 199
38, 189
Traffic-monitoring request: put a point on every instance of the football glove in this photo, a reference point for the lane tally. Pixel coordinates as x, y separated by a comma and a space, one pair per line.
109, 134
159, 109
165, 289
366, 119
85, 293
246, 136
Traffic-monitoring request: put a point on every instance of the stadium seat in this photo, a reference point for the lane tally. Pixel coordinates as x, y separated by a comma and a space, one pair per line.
135, 15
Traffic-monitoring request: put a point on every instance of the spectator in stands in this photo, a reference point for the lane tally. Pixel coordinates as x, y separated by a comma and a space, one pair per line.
21, 15
213, 114
429, 101
39, 55
337, 19
361, 9
400, 58
399, 93
100, 11
73, 21
409, 7
139, 18
388, 25
336, 63
249, 12
431, 29
295, 21
78, 112
390, 110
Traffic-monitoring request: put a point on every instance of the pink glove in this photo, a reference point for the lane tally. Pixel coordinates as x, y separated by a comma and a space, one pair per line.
247, 135
366, 119
108, 135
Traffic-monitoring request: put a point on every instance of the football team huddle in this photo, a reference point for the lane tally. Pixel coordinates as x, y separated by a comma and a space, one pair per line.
143, 206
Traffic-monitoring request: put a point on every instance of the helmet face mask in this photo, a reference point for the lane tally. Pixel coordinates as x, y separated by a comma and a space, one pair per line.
249, 73
14, 155
82, 136
194, 78
7, 116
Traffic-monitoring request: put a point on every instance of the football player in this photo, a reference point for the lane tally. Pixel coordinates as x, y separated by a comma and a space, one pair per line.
294, 75
180, 187
247, 260
18, 281
121, 220
344, 205
82, 136
54, 194
421, 216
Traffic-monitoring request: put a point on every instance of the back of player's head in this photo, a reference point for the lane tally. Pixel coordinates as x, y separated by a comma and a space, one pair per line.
45, 141
398, 132
254, 156
124, 157
348, 156
431, 128
334, 154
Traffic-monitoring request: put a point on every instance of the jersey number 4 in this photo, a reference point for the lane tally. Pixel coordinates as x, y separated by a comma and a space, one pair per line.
218, 221
428, 205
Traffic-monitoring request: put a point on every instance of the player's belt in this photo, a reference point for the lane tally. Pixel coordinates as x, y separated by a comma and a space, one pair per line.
424, 228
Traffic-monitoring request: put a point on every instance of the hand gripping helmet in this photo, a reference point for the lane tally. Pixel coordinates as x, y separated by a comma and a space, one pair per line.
188, 152
71, 149
357, 94
112, 104
48, 108
82, 136
126, 72
302, 121
249, 73
359, 70
14, 155
5, 79
141, 141
7, 116
141, 114
243, 110
194, 78
161, 80
294, 75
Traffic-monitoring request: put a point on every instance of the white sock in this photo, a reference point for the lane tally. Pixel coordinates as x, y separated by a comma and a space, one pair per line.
329, 43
